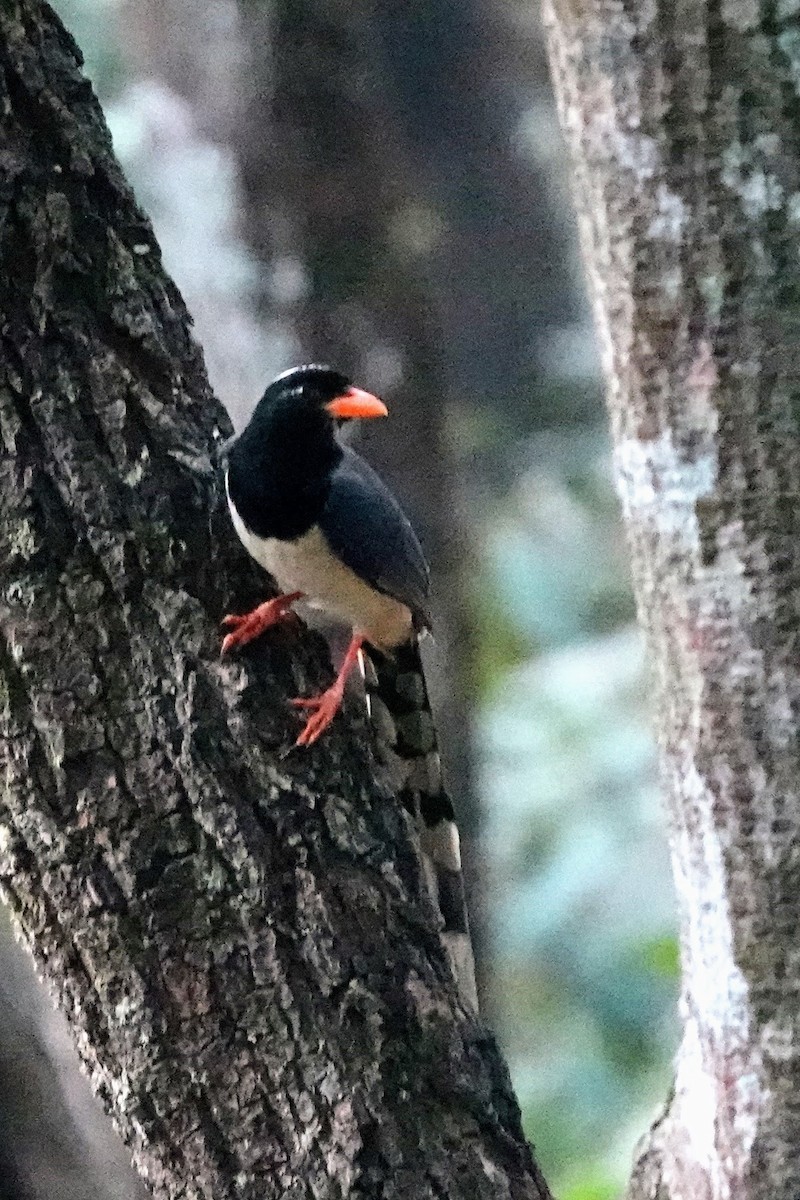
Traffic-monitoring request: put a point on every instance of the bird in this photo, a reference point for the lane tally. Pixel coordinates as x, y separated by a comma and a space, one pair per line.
317, 517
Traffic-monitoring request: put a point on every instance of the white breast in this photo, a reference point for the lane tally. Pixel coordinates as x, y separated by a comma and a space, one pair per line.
308, 565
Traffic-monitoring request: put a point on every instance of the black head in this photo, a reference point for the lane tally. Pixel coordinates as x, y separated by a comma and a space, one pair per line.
308, 402
314, 384
280, 466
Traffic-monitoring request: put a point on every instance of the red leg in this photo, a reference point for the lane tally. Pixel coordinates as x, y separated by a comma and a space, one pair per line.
251, 625
325, 707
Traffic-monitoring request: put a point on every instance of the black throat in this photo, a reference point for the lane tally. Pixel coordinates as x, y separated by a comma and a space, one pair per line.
279, 470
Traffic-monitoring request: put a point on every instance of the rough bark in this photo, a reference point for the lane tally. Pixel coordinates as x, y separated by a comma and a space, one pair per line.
683, 123
239, 934
337, 191
336, 277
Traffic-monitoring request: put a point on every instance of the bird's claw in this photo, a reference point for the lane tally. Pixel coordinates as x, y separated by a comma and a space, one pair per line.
247, 626
323, 709
243, 629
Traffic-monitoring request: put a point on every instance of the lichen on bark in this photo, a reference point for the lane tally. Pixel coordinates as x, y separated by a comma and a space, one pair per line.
239, 934
682, 121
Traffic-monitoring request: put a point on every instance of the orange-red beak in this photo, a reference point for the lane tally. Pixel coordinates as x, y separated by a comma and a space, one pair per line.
357, 403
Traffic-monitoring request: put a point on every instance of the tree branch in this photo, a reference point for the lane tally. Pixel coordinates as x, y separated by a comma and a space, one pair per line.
239, 934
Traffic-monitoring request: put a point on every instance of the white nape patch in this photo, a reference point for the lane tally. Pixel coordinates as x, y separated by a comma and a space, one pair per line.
657, 485
717, 1057
308, 565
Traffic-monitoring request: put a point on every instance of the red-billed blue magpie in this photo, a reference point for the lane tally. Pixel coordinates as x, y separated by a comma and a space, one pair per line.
316, 516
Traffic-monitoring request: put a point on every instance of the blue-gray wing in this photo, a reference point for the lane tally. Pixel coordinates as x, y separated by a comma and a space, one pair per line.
368, 531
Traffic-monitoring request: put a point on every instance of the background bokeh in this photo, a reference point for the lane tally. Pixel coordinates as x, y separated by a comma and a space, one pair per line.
384, 186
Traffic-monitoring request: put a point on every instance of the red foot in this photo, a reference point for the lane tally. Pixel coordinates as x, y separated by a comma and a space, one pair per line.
252, 625
325, 707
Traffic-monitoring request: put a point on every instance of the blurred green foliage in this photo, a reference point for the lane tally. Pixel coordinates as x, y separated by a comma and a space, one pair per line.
580, 894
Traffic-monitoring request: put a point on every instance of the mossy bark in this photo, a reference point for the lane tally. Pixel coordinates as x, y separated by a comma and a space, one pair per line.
239, 933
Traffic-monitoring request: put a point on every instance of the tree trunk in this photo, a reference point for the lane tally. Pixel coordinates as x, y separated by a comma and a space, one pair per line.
239, 933
683, 124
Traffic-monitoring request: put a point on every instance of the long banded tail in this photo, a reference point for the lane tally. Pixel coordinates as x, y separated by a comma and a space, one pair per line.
400, 711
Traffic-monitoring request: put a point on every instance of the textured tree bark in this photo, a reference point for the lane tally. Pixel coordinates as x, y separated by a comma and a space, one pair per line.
335, 191
683, 122
239, 934
308, 117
